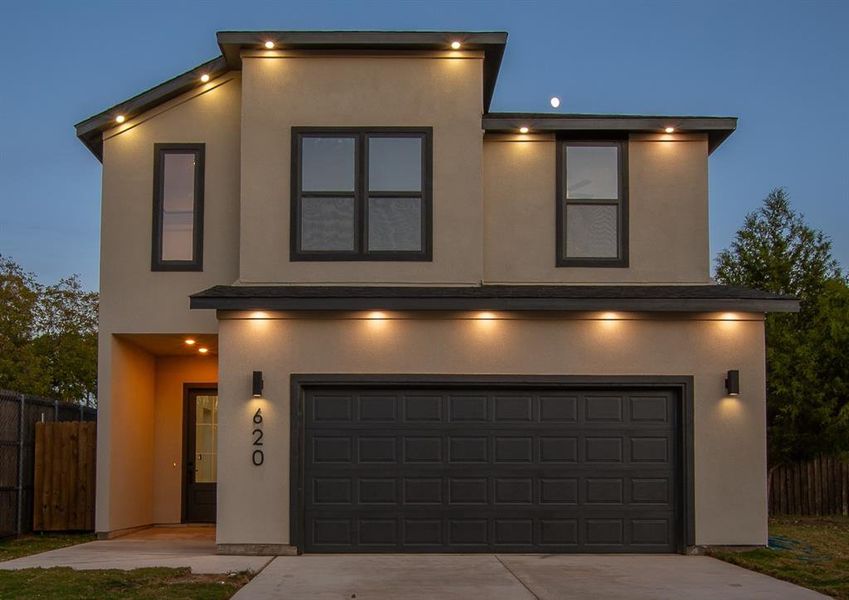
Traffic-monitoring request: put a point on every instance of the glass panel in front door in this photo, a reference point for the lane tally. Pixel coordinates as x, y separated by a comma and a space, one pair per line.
206, 438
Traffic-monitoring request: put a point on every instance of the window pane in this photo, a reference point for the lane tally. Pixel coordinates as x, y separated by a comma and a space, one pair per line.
395, 224
591, 231
206, 438
327, 164
327, 224
178, 205
394, 164
592, 172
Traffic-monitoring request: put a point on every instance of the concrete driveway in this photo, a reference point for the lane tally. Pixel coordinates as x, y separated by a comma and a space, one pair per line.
513, 577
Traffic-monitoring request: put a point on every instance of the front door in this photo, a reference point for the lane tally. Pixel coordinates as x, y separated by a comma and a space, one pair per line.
200, 457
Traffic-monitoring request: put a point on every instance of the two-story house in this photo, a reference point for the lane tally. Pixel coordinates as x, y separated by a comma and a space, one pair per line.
345, 308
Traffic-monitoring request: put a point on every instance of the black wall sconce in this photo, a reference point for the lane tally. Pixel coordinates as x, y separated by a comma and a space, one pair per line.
256, 386
732, 382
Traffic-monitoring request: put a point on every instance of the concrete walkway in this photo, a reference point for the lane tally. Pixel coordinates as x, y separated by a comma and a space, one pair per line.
513, 577
192, 547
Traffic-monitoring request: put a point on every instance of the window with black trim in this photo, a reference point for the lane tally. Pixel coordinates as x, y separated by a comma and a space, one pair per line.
592, 204
361, 193
178, 207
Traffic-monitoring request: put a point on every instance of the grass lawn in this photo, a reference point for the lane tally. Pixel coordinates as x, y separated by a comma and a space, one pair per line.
61, 582
809, 551
36, 543
158, 583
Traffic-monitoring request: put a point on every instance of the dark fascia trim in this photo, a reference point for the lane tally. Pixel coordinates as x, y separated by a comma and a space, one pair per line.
90, 131
492, 43
416, 299
717, 128
683, 385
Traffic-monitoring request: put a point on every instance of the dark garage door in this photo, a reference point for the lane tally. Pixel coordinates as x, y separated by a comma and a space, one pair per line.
490, 470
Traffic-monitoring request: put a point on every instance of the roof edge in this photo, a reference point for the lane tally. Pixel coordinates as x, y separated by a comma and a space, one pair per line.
90, 130
531, 298
717, 128
492, 43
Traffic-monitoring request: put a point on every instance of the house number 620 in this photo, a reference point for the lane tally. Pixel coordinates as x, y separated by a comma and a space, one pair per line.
258, 456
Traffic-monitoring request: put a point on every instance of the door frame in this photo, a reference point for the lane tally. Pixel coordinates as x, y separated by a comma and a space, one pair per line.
682, 385
188, 388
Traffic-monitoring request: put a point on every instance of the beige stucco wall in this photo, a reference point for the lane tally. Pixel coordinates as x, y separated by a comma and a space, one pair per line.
442, 91
135, 299
172, 372
125, 424
668, 212
730, 436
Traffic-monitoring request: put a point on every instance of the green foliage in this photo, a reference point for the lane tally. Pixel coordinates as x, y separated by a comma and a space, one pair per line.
807, 353
48, 336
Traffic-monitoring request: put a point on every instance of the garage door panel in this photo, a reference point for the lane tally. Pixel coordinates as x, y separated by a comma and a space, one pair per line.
377, 408
468, 408
513, 409
489, 470
465, 449
650, 409
558, 409
603, 409
423, 449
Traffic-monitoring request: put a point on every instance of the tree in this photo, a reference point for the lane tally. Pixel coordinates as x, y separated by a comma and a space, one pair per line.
67, 339
48, 336
20, 368
807, 401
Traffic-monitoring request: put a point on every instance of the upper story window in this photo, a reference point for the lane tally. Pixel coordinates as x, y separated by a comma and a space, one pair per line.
592, 204
361, 193
178, 207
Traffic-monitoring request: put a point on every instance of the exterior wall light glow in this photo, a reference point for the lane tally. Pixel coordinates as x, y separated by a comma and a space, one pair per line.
189, 342
455, 45
256, 384
120, 119
269, 44
376, 315
732, 382
523, 130
204, 78
670, 130
555, 102
203, 350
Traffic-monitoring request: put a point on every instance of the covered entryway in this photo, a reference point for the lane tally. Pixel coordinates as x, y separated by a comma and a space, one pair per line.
490, 468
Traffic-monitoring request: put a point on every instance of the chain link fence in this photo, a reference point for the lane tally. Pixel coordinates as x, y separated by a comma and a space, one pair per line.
18, 415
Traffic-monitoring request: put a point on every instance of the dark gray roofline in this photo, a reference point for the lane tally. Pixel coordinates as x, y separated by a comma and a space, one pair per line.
717, 128
492, 44
90, 131
231, 43
654, 298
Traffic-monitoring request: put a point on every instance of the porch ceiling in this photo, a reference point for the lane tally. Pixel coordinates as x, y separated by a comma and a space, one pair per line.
174, 344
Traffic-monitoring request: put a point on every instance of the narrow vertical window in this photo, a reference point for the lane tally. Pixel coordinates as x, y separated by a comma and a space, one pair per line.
178, 207
592, 205
361, 193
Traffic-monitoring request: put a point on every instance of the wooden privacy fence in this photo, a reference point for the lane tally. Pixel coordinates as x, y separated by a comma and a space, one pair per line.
63, 498
817, 487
